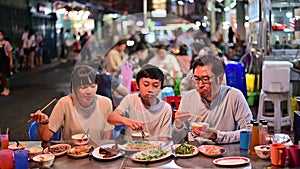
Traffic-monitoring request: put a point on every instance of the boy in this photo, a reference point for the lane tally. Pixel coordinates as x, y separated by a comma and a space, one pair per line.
143, 111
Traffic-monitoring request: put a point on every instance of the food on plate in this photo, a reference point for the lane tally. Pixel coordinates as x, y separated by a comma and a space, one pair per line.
80, 139
212, 150
80, 150
44, 160
199, 126
151, 154
140, 135
141, 145
263, 151
184, 149
15, 146
108, 152
58, 149
34, 150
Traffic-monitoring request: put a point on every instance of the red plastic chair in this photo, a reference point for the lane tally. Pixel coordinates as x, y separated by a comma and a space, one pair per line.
134, 87
174, 101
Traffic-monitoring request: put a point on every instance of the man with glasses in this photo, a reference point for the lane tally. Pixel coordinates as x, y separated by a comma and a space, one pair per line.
224, 108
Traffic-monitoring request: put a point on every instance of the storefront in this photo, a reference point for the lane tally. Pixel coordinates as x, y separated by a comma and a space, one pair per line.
285, 32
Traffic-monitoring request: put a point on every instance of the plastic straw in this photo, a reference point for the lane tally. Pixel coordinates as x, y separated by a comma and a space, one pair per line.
7, 129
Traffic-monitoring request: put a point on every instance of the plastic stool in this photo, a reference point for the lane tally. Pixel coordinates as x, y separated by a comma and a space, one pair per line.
277, 120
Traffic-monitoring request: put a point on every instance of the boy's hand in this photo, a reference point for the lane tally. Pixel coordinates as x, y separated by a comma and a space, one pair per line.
181, 117
134, 125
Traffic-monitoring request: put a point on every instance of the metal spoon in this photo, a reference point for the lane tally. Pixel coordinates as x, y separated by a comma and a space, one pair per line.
90, 153
19, 144
87, 133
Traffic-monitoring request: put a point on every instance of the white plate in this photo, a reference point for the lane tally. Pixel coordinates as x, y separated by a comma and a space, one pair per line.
83, 150
14, 146
212, 150
186, 155
231, 161
99, 156
155, 143
66, 148
134, 156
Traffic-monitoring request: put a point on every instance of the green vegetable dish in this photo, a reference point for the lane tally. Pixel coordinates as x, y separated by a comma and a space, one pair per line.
151, 154
185, 149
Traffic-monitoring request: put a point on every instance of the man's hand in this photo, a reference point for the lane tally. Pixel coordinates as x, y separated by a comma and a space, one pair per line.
207, 133
180, 118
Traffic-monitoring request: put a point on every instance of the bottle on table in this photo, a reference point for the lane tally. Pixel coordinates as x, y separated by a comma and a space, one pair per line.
254, 138
263, 133
260, 123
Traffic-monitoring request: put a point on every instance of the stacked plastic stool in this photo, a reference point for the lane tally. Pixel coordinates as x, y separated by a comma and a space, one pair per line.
236, 76
275, 89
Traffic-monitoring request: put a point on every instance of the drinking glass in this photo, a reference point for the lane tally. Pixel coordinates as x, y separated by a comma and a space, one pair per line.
6, 159
5, 141
21, 159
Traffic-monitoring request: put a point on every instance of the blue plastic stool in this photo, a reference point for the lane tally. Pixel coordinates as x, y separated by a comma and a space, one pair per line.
33, 132
117, 131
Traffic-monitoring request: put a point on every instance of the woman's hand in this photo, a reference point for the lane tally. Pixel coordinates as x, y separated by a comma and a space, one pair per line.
40, 117
181, 117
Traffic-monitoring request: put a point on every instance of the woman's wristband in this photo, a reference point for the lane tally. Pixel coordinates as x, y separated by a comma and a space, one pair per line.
45, 122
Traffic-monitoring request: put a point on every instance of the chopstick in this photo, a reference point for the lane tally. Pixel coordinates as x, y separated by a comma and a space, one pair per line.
197, 116
45, 107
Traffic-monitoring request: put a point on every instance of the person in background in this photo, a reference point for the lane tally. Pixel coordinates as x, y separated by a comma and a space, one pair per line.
116, 57
188, 39
6, 64
166, 62
222, 107
79, 111
25, 48
137, 59
39, 49
109, 86
32, 47
144, 110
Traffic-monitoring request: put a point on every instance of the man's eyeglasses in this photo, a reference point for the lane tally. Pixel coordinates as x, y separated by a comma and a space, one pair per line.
204, 79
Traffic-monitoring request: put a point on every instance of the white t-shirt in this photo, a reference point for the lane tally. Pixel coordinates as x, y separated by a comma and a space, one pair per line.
157, 118
25, 40
75, 119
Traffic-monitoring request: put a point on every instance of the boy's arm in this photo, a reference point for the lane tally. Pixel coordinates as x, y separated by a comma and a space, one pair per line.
116, 119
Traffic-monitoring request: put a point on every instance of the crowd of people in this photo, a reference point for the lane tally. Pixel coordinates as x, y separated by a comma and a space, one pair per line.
91, 105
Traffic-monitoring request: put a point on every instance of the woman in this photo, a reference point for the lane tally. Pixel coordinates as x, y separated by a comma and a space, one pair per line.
6, 63
79, 111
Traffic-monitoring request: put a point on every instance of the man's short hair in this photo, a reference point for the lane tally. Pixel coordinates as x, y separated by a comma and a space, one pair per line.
217, 65
152, 72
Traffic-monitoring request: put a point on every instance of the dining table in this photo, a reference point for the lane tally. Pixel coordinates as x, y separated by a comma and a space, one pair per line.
198, 160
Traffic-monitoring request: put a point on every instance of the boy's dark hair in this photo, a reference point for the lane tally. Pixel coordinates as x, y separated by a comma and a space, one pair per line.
152, 72
83, 75
217, 65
